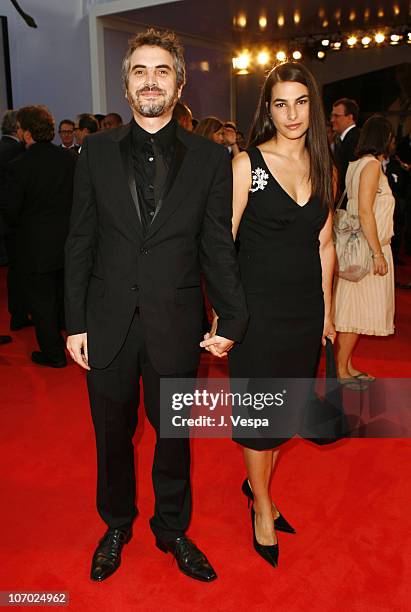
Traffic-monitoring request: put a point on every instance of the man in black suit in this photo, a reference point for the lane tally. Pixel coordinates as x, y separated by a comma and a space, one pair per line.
11, 147
66, 133
10, 144
39, 197
344, 117
398, 175
152, 210
85, 124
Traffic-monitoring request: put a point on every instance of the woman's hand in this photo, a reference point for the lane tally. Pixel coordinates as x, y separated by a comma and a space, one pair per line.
380, 264
328, 331
213, 329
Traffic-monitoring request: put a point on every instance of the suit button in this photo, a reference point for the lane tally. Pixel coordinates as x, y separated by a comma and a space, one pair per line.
144, 251
134, 288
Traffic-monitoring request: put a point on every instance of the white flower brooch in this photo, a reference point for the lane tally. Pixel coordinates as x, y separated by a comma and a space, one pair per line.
260, 179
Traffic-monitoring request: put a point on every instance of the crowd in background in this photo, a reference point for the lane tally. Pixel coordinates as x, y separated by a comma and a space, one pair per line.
36, 192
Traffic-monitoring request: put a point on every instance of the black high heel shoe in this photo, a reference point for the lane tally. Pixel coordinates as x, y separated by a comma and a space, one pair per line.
269, 553
280, 523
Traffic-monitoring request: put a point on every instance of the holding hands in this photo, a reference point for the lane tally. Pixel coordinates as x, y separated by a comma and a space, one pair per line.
216, 345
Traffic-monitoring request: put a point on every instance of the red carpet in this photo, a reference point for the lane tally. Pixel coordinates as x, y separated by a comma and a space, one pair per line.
349, 504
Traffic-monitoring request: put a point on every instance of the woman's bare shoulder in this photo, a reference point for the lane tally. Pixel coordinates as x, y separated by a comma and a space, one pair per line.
241, 162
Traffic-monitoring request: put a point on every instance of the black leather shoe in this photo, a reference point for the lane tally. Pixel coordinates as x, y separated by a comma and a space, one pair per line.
269, 553
191, 561
280, 523
18, 324
107, 556
42, 359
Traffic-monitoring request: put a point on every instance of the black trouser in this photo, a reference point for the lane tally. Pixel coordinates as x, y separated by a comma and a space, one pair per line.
16, 297
114, 398
45, 301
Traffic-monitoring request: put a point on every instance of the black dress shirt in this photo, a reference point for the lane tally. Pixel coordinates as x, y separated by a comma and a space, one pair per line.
152, 159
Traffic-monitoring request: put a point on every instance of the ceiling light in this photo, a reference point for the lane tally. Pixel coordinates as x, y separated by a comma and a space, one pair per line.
366, 41
325, 23
336, 45
396, 10
379, 38
262, 22
395, 39
242, 20
281, 56
367, 13
263, 58
380, 12
297, 55
351, 41
297, 17
242, 61
352, 16
325, 42
321, 55
280, 20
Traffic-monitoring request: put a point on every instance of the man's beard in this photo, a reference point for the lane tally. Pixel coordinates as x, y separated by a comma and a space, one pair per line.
152, 108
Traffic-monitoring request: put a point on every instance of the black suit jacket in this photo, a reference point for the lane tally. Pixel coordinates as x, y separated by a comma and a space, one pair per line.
9, 150
345, 153
111, 265
39, 192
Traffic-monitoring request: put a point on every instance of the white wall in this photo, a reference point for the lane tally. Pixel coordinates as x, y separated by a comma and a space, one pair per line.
51, 64
116, 43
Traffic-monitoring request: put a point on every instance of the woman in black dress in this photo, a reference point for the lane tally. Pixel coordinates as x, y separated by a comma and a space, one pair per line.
283, 193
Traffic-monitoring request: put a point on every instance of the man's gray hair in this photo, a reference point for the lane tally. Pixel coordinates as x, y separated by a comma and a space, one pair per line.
9, 123
154, 38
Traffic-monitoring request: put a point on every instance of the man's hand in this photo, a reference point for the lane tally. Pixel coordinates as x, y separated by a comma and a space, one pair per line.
77, 347
217, 345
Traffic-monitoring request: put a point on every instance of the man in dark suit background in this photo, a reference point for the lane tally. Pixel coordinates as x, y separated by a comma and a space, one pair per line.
39, 198
66, 132
152, 210
10, 143
11, 146
85, 124
344, 117
398, 175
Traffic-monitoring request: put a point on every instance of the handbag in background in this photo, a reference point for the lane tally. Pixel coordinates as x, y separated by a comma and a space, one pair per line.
324, 420
353, 252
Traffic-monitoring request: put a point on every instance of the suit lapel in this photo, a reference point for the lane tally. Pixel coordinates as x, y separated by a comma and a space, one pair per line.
125, 143
180, 151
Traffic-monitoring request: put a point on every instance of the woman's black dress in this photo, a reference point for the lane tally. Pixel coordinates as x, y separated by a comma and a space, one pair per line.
281, 272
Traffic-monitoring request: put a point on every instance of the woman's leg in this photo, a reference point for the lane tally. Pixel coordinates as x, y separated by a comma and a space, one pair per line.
259, 466
346, 342
276, 514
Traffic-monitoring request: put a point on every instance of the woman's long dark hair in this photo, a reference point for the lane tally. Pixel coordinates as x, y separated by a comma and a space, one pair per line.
263, 128
375, 137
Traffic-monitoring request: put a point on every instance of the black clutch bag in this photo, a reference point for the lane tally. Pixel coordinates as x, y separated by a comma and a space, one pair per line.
324, 420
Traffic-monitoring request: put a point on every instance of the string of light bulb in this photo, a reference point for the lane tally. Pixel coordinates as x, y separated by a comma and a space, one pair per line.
318, 46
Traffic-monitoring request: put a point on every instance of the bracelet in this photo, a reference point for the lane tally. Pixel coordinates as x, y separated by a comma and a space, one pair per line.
374, 255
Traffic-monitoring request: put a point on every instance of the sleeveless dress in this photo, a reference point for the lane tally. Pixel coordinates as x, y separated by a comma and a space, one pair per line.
281, 273
367, 307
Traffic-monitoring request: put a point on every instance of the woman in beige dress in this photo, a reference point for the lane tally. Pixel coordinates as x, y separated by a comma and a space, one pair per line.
367, 307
